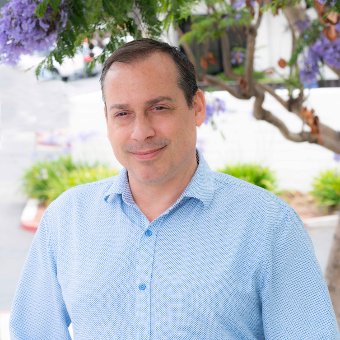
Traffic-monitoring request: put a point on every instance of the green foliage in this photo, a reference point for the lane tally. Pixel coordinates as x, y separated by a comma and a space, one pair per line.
253, 173
46, 180
86, 18
326, 188
211, 26
275, 5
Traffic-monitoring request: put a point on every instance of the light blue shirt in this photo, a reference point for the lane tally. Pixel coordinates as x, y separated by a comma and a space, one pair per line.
227, 261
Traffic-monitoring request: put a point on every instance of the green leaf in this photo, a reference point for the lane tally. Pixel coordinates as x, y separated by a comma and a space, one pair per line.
41, 8
55, 4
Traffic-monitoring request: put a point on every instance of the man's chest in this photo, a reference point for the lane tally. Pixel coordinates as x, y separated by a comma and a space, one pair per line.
159, 280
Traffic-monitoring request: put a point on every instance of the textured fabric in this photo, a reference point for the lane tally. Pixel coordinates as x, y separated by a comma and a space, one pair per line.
227, 261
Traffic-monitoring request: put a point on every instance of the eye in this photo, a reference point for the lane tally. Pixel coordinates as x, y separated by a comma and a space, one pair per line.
159, 108
121, 114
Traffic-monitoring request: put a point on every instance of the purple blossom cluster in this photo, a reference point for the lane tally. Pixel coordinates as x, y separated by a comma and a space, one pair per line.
309, 67
237, 4
328, 51
323, 50
214, 106
22, 32
237, 58
327, 2
302, 25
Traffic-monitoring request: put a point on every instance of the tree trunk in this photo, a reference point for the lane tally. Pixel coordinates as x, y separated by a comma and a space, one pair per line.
333, 272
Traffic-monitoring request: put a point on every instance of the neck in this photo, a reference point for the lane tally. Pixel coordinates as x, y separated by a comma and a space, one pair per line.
153, 199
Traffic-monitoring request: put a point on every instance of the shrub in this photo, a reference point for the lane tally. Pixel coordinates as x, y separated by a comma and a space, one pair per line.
326, 188
253, 173
46, 180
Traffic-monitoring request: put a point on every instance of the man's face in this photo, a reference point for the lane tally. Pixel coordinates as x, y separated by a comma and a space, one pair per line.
151, 128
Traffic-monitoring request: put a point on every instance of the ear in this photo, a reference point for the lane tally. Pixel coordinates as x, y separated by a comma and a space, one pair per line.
199, 107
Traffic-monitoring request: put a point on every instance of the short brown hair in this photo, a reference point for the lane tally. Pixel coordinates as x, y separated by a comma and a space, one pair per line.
142, 48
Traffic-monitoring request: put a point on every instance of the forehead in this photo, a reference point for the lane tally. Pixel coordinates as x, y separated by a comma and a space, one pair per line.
155, 72
158, 62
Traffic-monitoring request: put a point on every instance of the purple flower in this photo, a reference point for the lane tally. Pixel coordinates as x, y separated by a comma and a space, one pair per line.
323, 50
22, 32
322, 2
309, 67
237, 16
302, 25
327, 50
214, 106
238, 4
237, 58
337, 26
336, 157
209, 112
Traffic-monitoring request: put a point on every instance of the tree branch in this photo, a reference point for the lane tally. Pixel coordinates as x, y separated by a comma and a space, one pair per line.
226, 57
271, 91
327, 137
221, 84
249, 63
262, 114
292, 15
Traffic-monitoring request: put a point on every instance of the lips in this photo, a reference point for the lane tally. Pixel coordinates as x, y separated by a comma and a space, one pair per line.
147, 154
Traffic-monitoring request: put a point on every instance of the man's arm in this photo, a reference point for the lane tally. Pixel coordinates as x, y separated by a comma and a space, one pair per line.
38, 310
295, 298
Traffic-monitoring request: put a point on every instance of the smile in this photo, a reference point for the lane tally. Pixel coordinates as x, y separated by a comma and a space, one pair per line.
148, 154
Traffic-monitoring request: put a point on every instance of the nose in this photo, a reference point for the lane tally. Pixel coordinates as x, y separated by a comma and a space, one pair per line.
142, 128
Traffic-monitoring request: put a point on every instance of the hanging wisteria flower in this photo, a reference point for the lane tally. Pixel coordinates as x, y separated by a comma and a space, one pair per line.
23, 32
328, 51
302, 25
326, 2
309, 68
237, 58
239, 3
336, 157
214, 106
322, 51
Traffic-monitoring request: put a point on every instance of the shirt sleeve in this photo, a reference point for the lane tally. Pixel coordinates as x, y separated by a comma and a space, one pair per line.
295, 298
38, 310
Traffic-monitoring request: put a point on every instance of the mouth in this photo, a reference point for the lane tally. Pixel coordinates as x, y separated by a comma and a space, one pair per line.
147, 154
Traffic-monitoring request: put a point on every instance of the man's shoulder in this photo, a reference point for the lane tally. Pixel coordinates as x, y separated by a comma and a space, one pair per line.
88, 193
229, 189
232, 184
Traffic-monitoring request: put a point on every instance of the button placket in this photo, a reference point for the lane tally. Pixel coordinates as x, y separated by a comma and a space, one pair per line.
145, 259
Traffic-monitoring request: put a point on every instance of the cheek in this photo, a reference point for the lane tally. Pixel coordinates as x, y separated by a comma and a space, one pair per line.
115, 137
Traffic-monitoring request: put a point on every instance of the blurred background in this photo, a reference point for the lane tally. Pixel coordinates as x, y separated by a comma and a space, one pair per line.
52, 125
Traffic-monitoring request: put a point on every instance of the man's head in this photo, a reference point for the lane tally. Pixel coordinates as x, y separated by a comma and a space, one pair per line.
151, 114
142, 48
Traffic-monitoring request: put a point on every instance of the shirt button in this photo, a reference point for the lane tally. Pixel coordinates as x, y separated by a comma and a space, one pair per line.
142, 286
148, 233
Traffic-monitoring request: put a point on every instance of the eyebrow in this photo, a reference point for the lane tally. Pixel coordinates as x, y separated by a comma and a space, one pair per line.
148, 103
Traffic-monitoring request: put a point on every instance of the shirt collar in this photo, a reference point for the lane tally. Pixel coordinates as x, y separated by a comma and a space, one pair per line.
200, 187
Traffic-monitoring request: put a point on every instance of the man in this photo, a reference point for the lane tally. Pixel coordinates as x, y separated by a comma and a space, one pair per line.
168, 249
